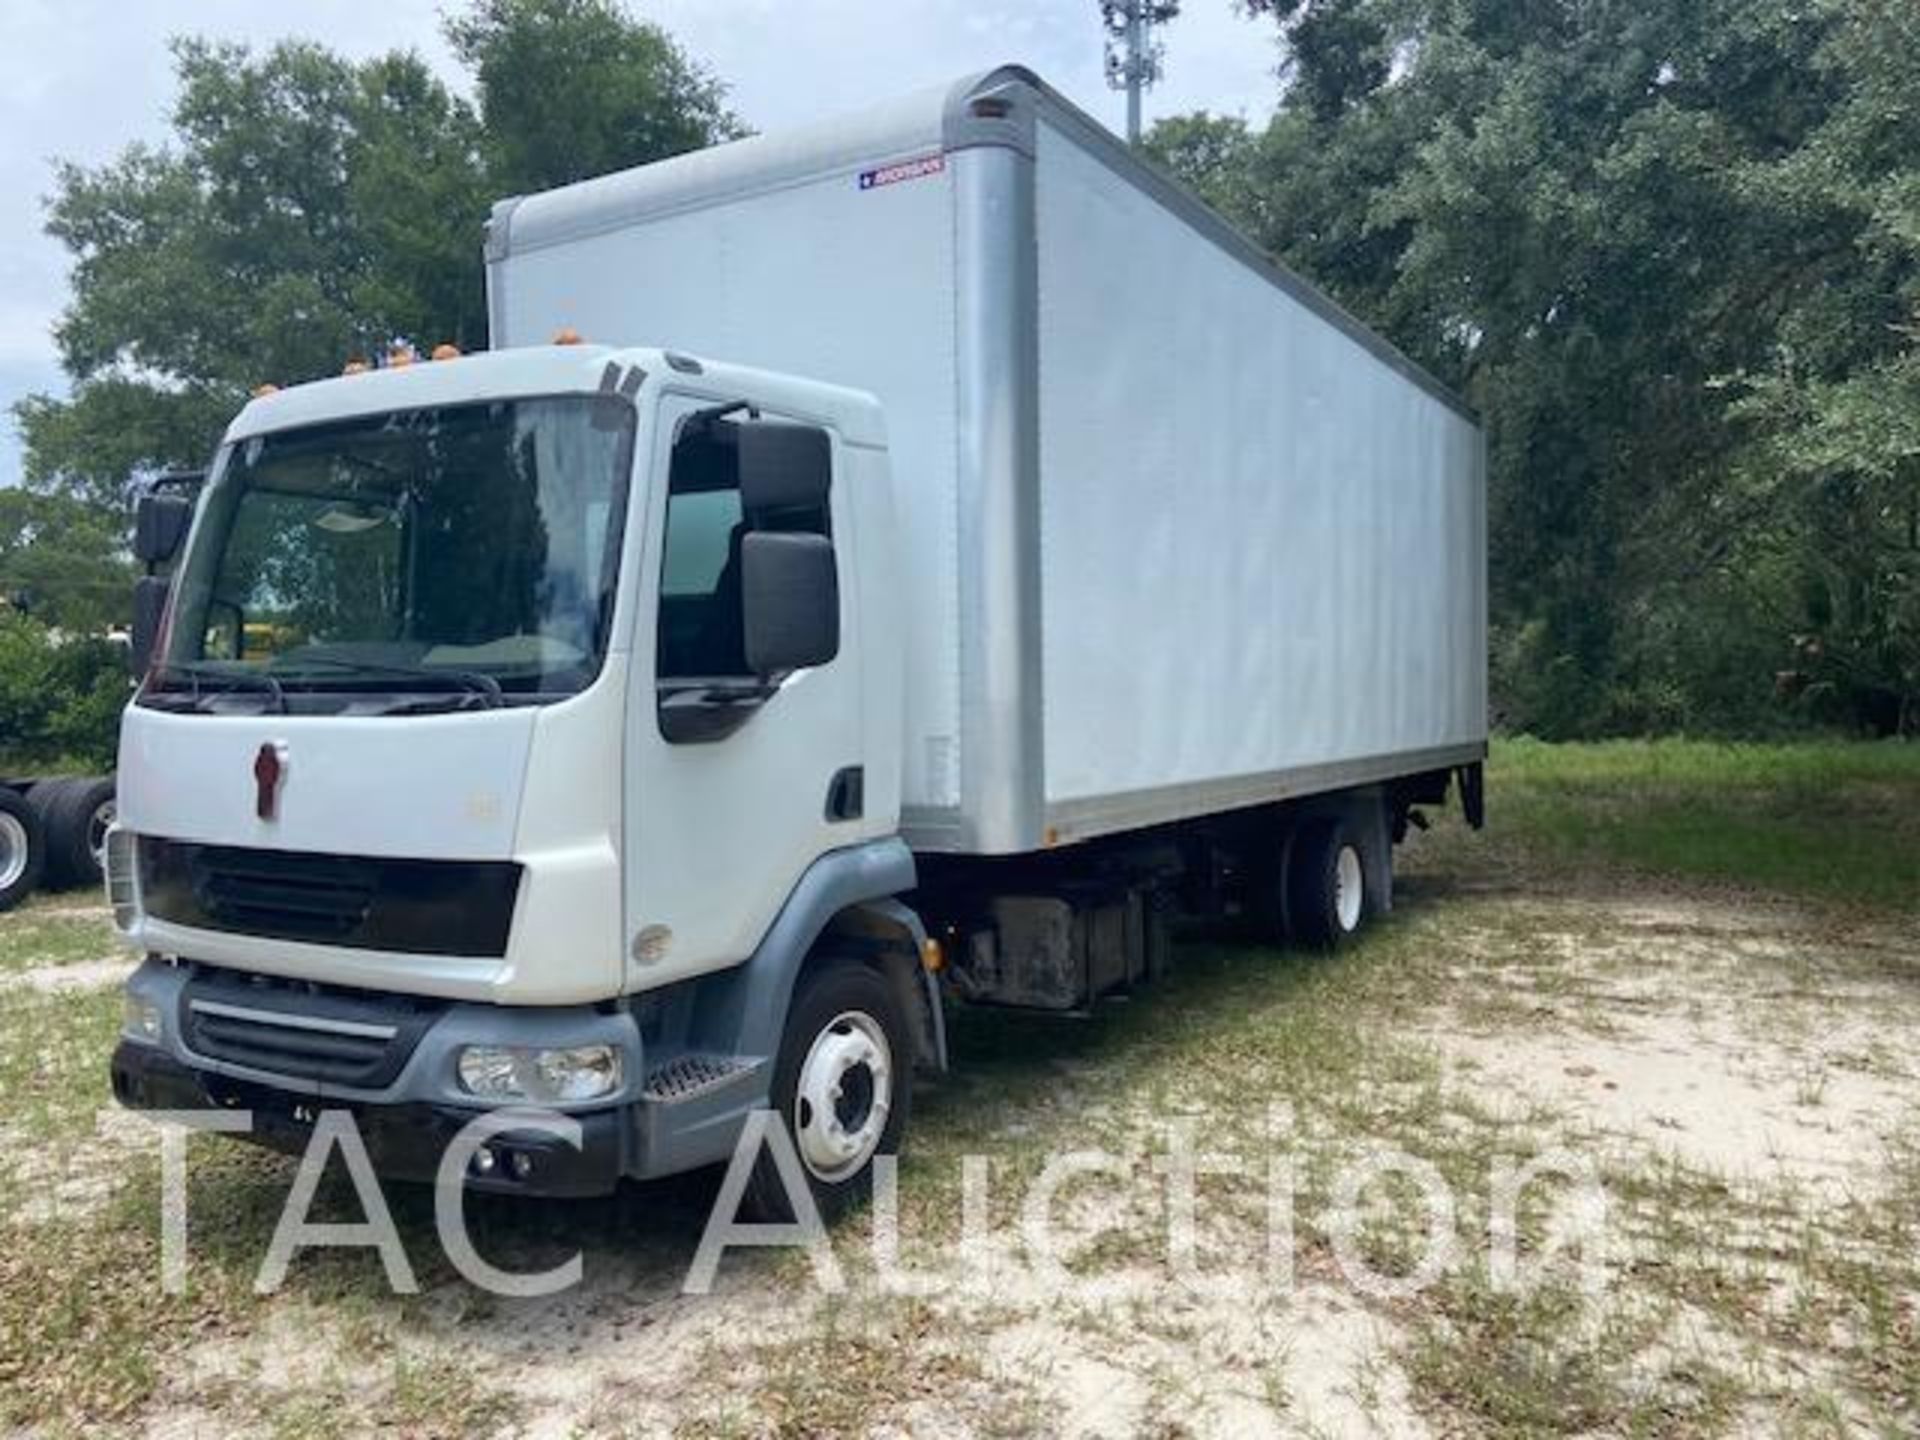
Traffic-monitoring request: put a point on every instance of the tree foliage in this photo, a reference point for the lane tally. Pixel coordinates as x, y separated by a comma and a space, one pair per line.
62, 561
1671, 249
311, 208
574, 88
60, 696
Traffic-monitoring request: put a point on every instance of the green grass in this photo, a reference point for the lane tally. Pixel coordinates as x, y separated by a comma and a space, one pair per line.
53, 1061
47, 932
1833, 822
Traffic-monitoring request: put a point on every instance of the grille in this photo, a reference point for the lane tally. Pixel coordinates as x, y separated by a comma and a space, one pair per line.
326, 1036
427, 907
317, 1052
278, 892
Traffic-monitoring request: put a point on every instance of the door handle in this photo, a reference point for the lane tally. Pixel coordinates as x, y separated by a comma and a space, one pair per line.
847, 794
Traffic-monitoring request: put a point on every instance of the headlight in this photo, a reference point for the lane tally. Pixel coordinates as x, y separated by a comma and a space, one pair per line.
140, 1019
514, 1072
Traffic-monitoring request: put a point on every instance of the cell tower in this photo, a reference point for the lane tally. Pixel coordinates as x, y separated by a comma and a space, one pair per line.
1133, 56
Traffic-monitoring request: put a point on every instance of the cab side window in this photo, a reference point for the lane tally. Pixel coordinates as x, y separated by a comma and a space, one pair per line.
702, 633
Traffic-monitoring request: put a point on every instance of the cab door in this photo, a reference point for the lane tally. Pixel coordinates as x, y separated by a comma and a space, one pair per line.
736, 780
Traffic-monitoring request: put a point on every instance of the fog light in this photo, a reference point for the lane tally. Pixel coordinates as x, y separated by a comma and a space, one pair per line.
483, 1161
122, 891
522, 1165
514, 1072
140, 1019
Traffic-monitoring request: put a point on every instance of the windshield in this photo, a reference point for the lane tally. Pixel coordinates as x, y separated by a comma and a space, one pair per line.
468, 552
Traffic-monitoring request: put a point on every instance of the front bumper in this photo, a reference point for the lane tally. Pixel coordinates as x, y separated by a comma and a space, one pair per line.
408, 1112
404, 1140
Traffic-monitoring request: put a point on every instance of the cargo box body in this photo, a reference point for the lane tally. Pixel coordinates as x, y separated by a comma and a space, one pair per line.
1178, 535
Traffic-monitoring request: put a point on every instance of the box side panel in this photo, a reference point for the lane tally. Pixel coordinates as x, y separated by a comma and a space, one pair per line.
838, 279
1262, 546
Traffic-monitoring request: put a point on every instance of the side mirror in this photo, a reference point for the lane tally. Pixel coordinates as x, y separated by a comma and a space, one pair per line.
149, 606
159, 525
790, 593
783, 467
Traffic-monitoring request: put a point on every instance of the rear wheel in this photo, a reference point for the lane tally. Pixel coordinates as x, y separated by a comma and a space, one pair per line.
841, 1087
1326, 884
75, 812
22, 849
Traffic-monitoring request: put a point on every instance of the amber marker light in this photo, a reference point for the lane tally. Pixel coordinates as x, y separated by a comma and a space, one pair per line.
566, 335
446, 351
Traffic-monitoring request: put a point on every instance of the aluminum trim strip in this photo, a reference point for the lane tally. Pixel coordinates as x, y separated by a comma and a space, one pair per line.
1071, 820
293, 1022
1002, 766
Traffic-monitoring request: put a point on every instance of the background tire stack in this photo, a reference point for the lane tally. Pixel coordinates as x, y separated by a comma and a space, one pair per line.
74, 812
62, 822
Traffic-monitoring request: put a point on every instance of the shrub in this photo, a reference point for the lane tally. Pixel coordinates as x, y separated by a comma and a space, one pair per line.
60, 697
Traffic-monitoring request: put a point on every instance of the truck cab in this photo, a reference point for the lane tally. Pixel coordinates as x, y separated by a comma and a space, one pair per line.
505, 705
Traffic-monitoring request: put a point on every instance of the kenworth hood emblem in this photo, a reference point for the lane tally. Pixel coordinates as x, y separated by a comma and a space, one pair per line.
269, 768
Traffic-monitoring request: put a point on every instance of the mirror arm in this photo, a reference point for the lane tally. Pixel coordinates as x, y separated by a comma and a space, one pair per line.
702, 420
699, 712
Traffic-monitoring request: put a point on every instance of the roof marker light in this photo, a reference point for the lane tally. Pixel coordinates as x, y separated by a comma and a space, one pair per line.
566, 335
399, 357
260, 392
354, 367
446, 350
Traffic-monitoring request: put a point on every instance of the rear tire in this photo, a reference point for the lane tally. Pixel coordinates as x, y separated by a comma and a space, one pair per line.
75, 812
1326, 885
841, 1088
23, 849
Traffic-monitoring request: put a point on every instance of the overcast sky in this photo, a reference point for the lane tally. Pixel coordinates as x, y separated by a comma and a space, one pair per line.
80, 79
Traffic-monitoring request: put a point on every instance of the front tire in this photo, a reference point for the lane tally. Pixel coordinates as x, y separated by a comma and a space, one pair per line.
1326, 885
841, 1087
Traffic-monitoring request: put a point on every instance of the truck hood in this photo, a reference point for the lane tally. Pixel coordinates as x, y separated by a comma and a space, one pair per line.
431, 787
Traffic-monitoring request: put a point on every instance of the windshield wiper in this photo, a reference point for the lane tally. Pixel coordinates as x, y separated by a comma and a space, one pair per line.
199, 671
472, 681
441, 704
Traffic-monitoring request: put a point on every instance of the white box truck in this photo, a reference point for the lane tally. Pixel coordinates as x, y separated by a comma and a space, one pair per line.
956, 551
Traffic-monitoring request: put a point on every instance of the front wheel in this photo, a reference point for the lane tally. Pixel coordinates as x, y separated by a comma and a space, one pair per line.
841, 1086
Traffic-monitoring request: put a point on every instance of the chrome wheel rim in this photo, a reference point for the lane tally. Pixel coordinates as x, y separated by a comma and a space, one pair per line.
98, 824
1349, 888
844, 1096
13, 850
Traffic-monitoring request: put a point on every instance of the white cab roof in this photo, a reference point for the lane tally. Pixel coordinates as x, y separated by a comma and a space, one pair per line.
552, 370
